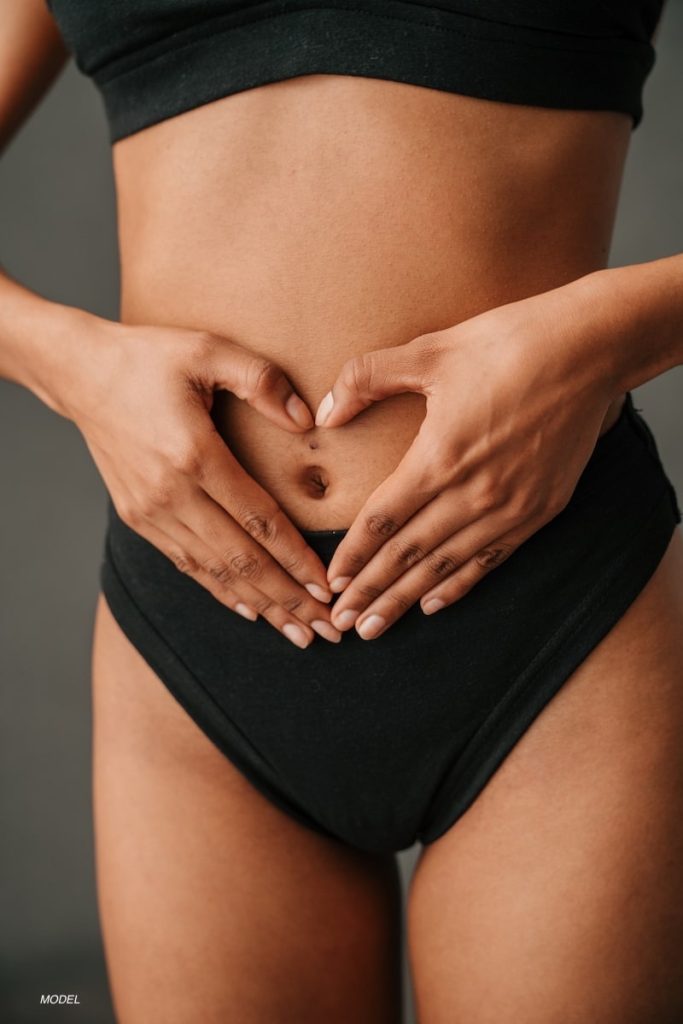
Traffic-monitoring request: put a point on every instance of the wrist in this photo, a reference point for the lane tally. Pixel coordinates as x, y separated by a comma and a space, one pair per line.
635, 321
606, 330
62, 353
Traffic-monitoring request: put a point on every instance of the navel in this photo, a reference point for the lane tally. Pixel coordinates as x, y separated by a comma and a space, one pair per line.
315, 481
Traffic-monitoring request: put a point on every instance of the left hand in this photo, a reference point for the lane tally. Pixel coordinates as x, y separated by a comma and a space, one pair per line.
515, 399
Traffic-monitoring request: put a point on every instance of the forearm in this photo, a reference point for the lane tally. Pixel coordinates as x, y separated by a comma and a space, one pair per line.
43, 343
638, 315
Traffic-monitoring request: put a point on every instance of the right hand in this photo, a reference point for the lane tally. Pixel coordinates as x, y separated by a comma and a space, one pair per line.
142, 403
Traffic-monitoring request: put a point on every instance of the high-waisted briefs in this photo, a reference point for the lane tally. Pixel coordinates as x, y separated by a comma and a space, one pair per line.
379, 743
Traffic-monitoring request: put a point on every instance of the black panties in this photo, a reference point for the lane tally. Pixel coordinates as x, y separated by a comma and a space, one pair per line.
383, 742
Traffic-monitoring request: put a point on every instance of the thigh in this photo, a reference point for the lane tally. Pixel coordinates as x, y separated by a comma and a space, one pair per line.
214, 904
558, 897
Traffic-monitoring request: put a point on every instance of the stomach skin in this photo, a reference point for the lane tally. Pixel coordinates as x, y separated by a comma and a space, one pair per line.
324, 216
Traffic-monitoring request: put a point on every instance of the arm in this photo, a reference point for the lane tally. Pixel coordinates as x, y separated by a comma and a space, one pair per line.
32, 53
641, 307
141, 397
537, 375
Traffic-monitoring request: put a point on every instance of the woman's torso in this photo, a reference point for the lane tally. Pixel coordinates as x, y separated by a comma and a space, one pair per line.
324, 216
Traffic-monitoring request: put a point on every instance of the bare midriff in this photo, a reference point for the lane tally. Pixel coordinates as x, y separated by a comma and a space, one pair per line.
325, 216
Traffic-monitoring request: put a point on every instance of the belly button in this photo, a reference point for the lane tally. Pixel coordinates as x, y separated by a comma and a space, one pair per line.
315, 481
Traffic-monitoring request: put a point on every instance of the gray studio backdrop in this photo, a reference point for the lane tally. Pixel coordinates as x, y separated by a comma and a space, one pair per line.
57, 235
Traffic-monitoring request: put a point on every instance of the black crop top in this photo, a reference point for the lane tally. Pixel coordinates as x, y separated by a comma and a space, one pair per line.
152, 59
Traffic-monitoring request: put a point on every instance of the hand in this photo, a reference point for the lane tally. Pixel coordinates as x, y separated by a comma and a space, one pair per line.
515, 402
143, 408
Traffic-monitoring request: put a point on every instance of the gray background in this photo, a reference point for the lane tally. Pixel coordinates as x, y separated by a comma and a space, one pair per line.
57, 217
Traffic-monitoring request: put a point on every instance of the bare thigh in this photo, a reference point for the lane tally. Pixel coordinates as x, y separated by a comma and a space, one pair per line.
558, 897
215, 905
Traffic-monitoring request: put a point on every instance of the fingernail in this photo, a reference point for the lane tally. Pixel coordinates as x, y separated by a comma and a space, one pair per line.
371, 626
320, 593
433, 605
324, 409
346, 618
246, 611
299, 411
327, 630
340, 583
295, 634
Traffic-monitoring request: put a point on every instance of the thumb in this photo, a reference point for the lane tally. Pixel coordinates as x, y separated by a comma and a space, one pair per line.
369, 378
260, 383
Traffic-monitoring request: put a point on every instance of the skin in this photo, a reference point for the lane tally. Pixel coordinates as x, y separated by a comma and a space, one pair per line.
467, 493
556, 898
309, 222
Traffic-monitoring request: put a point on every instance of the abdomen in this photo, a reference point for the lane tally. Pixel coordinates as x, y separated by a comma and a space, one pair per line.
325, 216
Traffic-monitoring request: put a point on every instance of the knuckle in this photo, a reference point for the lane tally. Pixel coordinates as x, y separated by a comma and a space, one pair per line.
355, 561
434, 472
203, 343
441, 563
262, 375
246, 565
380, 524
356, 372
398, 599
258, 525
365, 373
220, 572
155, 489
486, 498
184, 562
158, 496
524, 505
369, 591
186, 457
193, 463
292, 604
130, 515
292, 564
147, 507
489, 557
263, 604
405, 554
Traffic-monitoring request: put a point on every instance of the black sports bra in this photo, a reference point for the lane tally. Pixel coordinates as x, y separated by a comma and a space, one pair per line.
153, 59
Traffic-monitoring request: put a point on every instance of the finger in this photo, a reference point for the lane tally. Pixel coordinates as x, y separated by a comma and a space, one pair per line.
413, 545
403, 493
457, 565
369, 378
229, 485
471, 573
258, 381
194, 559
188, 562
237, 559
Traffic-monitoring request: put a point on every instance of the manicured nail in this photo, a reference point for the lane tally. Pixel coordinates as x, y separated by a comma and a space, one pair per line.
320, 593
298, 411
327, 630
340, 583
296, 634
371, 626
346, 618
433, 605
324, 409
246, 611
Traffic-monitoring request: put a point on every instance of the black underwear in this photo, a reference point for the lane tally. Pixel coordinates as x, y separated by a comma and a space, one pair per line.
384, 742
